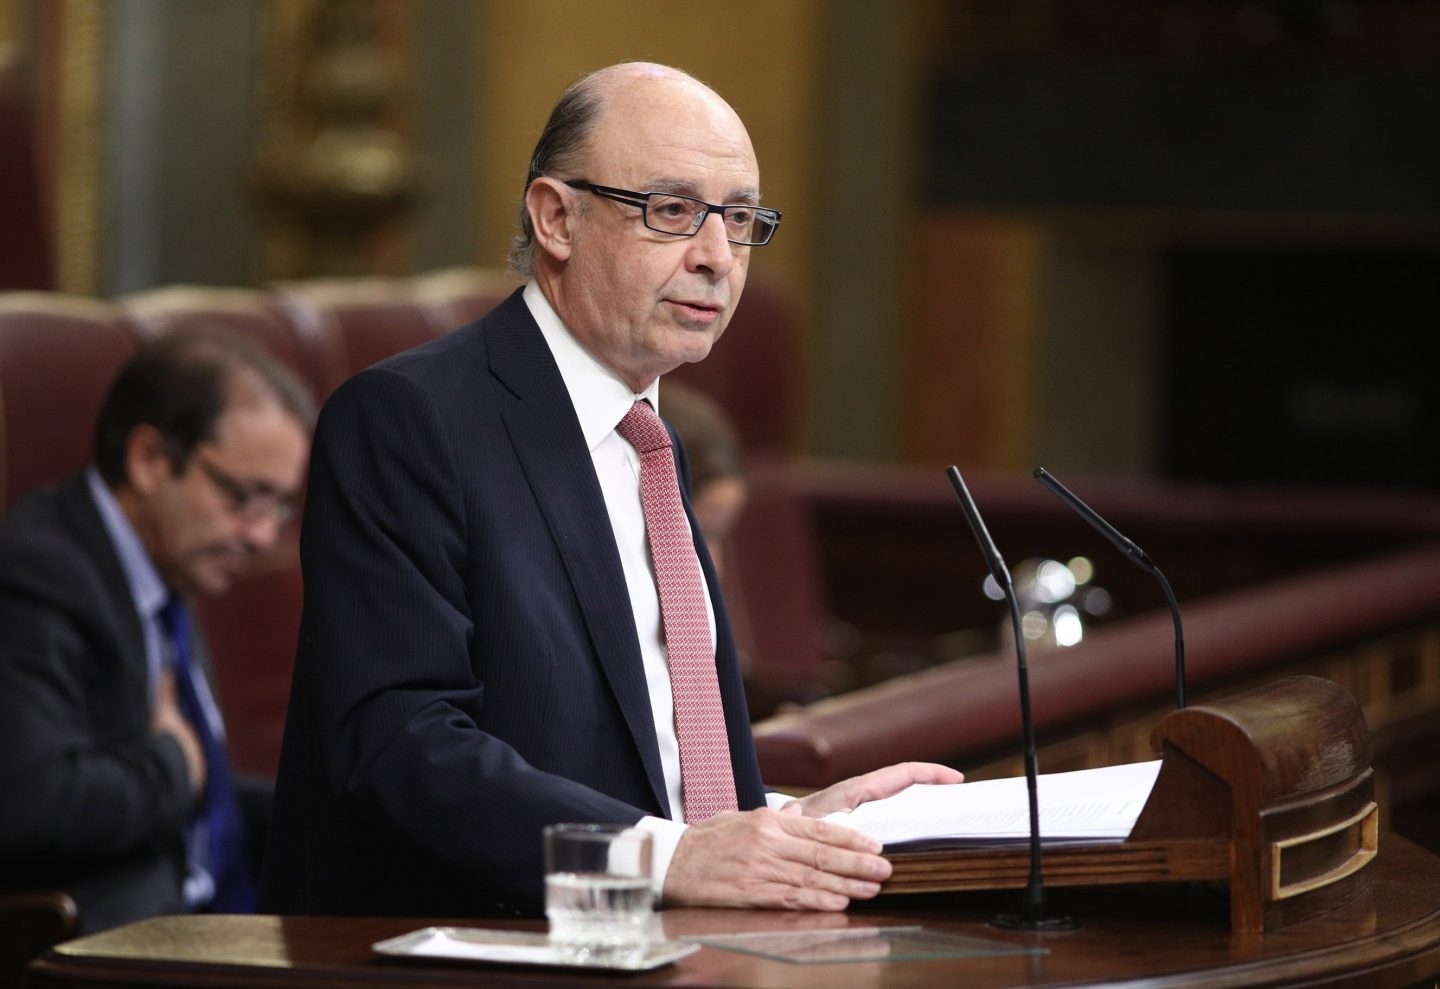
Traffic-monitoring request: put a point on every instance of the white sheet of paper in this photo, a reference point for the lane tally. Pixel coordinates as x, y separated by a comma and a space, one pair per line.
1085, 804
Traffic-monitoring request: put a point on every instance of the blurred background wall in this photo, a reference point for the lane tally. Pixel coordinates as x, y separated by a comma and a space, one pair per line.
1147, 238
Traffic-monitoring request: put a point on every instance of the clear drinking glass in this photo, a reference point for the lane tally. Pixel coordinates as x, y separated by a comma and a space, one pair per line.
597, 892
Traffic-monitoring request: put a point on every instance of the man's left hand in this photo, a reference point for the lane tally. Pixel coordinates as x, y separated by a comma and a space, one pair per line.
851, 793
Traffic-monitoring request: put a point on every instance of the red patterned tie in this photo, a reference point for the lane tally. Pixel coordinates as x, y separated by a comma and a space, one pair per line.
706, 777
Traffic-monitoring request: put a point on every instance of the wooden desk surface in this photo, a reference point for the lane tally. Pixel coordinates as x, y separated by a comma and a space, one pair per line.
1155, 937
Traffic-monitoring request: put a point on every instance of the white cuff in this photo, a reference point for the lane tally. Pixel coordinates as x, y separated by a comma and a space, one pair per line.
664, 834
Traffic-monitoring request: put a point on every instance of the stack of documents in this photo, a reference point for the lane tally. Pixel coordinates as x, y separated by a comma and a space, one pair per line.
1086, 805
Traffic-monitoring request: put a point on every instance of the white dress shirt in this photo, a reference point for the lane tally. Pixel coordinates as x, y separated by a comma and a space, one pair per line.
149, 594
601, 400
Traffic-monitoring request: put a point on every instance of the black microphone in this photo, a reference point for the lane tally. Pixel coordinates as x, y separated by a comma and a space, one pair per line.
1034, 918
1136, 554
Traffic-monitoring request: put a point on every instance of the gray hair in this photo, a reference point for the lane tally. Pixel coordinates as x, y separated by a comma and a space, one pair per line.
559, 148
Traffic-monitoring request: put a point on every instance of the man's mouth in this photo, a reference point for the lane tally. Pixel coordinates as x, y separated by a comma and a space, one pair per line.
705, 311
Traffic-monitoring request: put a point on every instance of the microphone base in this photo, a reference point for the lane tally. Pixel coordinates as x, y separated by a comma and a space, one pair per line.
1043, 925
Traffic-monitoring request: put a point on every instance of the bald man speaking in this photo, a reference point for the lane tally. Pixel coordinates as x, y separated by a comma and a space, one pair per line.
511, 619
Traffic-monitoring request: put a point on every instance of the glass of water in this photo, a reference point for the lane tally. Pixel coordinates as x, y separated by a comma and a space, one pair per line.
597, 892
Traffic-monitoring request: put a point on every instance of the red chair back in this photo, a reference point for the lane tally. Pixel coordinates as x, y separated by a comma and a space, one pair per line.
58, 356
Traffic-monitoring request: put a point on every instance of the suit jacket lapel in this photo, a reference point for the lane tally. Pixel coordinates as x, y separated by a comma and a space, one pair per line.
551, 450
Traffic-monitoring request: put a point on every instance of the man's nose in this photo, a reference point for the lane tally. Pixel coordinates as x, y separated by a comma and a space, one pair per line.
710, 248
261, 531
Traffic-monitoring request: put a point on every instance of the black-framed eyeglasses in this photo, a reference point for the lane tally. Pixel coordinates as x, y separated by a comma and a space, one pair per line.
683, 216
253, 504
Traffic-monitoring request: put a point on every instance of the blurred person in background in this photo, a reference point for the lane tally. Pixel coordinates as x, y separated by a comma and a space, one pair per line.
114, 781
718, 489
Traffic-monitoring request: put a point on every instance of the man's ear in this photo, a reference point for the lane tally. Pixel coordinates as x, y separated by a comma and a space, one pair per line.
147, 462
551, 214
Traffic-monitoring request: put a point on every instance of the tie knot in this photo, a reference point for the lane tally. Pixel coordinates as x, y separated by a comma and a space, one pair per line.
643, 429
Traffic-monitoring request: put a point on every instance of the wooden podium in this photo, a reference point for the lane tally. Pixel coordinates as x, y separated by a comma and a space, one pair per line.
1269, 791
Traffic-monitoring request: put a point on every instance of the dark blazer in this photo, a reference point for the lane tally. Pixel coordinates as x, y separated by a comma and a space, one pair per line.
468, 669
90, 801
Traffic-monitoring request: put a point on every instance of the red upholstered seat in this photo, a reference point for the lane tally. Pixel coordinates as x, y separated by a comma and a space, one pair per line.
754, 373
58, 355
354, 322
452, 297
774, 586
252, 313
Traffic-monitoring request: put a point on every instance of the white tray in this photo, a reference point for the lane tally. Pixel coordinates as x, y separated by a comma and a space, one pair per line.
477, 944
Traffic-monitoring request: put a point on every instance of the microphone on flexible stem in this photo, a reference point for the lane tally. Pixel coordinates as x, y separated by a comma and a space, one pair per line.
1034, 918
1136, 554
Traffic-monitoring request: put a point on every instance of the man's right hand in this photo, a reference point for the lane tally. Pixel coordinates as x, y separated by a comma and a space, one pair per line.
763, 858
168, 720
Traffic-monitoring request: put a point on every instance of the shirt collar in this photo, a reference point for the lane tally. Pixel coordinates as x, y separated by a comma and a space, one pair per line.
147, 589
600, 398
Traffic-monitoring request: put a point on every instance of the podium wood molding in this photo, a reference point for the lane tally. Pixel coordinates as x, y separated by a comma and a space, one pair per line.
1270, 791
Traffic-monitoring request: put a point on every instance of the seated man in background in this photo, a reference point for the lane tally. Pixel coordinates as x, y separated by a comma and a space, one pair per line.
114, 785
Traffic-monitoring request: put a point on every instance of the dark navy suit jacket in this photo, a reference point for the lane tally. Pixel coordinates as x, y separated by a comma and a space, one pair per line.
468, 669
91, 801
